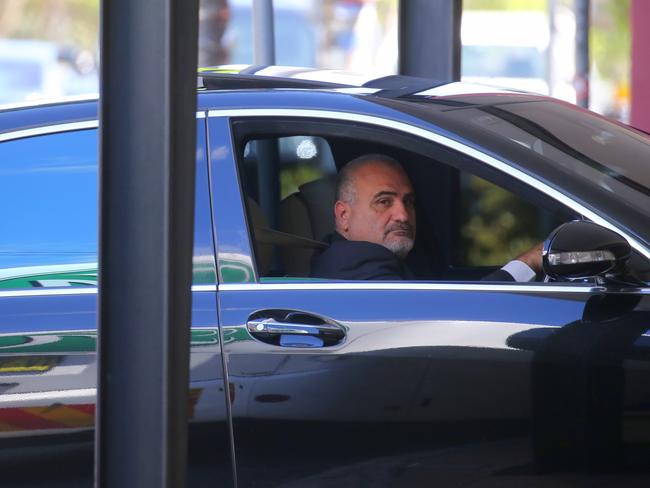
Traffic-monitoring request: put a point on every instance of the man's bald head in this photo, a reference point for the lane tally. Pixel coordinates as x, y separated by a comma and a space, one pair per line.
345, 184
375, 203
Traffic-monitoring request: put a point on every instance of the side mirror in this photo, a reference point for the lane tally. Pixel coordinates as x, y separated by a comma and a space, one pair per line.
582, 249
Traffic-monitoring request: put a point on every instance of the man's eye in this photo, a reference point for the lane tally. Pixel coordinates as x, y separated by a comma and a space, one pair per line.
384, 202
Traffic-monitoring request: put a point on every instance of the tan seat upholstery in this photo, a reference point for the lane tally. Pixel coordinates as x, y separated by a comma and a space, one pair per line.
267, 241
264, 251
308, 213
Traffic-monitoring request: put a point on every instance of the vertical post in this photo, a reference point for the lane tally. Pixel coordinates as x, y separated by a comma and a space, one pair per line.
429, 38
147, 148
581, 82
551, 75
263, 32
430, 47
639, 20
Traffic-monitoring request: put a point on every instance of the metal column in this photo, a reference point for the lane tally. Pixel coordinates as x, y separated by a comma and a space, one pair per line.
263, 32
147, 123
581, 82
429, 38
429, 46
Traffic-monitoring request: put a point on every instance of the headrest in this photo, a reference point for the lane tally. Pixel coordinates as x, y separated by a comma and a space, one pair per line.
320, 196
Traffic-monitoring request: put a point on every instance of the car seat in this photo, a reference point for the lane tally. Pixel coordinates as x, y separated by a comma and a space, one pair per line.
267, 242
308, 213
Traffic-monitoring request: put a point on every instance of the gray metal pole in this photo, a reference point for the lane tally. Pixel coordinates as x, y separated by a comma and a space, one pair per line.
551, 75
263, 32
429, 38
147, 146
581, 82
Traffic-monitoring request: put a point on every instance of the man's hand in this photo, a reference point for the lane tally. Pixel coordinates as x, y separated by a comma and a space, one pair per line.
533, 258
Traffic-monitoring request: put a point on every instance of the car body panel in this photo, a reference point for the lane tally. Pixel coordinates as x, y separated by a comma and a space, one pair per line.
48, 334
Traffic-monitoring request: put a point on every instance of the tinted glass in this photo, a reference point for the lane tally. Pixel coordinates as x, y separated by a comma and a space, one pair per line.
282, 210
49, 212
608, 152
497, 225
48, 200
579, 151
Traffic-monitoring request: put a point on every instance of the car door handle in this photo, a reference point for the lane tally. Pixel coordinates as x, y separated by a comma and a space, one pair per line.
284, 328
272, 326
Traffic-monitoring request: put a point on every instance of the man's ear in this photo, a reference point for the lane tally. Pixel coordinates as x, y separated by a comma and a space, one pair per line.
342, 216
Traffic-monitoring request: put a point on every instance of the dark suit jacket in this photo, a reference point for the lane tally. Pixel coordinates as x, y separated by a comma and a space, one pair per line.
361, 260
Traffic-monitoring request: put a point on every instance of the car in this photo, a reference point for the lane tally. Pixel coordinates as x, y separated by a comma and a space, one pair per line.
313, 382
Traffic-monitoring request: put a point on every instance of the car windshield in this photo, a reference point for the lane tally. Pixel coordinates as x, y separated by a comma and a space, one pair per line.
609, 155
602, 163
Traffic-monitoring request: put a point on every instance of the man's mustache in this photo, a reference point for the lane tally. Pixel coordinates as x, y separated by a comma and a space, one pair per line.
400, 226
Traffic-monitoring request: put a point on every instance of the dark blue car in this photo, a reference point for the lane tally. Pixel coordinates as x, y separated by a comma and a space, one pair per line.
443, 380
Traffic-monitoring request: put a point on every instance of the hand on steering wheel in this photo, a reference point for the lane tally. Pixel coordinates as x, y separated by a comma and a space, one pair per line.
533, 258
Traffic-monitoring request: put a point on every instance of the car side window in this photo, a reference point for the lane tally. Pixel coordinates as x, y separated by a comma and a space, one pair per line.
495, 224
471, 219
288, 184
49, 212
48, 197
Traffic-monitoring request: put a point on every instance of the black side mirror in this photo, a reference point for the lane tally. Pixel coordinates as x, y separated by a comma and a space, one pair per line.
582, 249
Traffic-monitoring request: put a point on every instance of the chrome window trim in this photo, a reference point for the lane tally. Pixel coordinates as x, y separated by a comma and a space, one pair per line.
89, 97
37, 292
49, 129
57, 128
46, 292
425, 286
439, 139
201, 288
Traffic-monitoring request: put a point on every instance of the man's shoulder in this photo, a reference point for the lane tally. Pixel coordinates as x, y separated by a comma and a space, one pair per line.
364, 247
357, 260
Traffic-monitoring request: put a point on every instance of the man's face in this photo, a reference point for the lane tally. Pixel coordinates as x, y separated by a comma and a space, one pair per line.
383, 211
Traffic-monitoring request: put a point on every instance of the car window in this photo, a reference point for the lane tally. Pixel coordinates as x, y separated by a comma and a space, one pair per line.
496, 224
466, 220
48, 202
49, 213
285, 181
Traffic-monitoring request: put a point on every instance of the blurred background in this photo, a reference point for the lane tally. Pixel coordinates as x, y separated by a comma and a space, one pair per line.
49, 48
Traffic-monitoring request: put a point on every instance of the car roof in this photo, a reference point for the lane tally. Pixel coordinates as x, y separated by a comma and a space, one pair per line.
229, 80
235, 77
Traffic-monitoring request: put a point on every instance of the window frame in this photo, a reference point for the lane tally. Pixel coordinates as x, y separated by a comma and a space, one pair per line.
243, 123
206, 241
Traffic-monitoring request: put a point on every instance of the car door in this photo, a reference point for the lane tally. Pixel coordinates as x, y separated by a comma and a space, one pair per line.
352, 383
48, 286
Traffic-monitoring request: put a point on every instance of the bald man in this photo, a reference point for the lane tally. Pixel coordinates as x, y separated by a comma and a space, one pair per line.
375, 227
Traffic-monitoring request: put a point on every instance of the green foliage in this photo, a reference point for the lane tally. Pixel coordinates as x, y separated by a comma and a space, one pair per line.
292, 178
497, 225
610, 38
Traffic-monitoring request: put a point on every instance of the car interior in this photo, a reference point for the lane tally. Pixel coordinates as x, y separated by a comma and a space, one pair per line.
288, 174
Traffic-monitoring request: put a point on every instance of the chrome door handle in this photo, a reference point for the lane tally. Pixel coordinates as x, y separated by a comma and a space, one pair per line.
294, 329
272, 326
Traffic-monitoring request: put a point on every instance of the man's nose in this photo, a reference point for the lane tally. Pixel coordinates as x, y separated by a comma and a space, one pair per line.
401, 212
